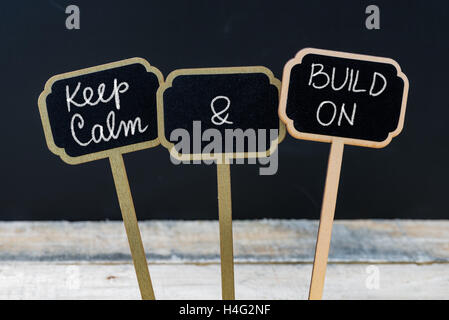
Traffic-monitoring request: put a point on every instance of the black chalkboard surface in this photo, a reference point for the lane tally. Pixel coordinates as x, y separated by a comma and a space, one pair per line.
358, 98
88, 114
214, 103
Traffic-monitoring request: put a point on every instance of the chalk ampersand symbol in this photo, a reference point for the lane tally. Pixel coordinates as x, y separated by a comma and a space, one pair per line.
217, 119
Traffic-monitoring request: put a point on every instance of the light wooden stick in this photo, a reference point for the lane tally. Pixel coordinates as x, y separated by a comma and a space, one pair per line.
326, 220
131, 226
225, 221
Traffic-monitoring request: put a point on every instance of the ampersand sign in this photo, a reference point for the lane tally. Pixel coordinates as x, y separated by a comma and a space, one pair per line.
216, 115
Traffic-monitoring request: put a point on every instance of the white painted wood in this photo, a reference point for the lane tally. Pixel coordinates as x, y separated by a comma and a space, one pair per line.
50, 280
91, 260
290, 241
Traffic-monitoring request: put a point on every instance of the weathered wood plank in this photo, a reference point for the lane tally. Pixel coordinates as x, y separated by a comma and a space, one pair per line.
276, 241
58, 280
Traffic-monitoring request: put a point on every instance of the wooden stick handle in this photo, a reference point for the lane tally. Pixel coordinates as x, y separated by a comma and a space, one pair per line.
225, 221
326, 220
131, 226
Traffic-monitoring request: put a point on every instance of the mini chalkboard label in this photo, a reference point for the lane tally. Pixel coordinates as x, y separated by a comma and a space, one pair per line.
103, 112
341, 98
92, 113
220, 102
235, 111
328, 94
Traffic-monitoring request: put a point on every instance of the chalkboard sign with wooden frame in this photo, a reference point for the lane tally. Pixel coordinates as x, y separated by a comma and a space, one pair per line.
369, 115
299, 95
79, 110
257, 86
249, 97
142, 80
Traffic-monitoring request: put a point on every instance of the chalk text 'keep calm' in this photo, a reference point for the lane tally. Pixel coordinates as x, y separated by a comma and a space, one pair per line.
111, 129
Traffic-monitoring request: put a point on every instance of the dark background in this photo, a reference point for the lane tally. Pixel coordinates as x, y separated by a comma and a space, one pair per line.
407, 179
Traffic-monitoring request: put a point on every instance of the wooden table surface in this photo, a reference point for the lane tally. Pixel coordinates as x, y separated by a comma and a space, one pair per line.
369, 259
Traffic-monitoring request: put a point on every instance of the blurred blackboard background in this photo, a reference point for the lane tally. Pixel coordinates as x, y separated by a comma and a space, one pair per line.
407, 179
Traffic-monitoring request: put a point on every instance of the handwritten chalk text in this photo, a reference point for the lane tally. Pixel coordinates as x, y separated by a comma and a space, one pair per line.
112, 129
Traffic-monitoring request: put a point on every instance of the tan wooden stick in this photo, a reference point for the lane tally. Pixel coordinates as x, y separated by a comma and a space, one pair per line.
225, 221
326, 220
131, 226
